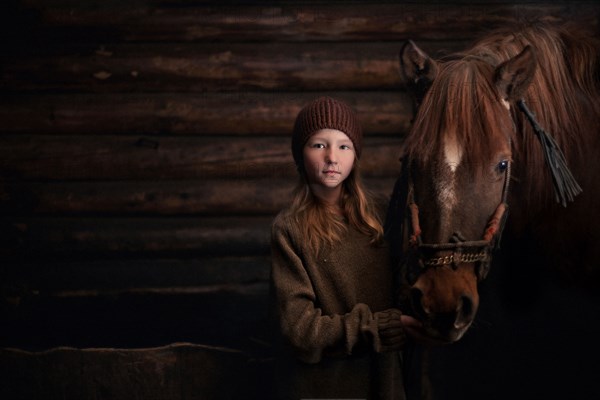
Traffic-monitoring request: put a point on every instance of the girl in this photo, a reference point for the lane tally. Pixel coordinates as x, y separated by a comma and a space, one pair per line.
331, 276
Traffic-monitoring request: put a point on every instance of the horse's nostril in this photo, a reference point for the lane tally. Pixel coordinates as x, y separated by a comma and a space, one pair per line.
465, 311
416, 299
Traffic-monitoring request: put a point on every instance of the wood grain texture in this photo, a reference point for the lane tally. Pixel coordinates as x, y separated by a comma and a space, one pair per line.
176, 114
214, 197
37, 157
101, 238
158, 67
176, 21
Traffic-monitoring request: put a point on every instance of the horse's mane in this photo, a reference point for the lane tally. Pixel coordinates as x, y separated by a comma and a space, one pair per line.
563, 95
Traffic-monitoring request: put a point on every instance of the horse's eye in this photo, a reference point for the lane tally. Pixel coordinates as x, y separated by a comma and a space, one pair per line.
503, 165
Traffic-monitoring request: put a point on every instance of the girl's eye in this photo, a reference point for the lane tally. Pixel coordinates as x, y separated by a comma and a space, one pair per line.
502, 166
345, 147
318, 146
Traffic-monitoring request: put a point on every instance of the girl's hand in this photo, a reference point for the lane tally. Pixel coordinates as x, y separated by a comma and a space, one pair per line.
391, 332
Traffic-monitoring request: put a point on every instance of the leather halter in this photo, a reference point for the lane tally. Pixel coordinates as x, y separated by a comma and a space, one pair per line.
457, 250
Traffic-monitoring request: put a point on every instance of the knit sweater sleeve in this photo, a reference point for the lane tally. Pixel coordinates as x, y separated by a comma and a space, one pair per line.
310, 334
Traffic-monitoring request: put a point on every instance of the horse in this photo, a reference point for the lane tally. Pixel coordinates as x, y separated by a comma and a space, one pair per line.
512, 123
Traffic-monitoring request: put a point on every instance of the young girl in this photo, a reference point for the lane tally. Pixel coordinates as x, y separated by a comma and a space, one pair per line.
331, 277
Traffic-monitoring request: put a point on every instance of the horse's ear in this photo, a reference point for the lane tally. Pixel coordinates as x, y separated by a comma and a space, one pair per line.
417, 68
513, 76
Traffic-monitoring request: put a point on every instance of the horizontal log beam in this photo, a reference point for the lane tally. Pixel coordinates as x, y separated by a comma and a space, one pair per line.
146, 21
209, 67
242, 113
147, 198
78, 238
38, 157
113, 277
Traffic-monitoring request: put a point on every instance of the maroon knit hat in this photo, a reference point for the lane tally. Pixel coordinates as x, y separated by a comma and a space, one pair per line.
325, 113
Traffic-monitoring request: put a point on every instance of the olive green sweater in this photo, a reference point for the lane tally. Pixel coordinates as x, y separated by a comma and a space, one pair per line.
327, 307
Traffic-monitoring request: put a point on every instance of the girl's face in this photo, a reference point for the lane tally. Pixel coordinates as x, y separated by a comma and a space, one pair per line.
328, 159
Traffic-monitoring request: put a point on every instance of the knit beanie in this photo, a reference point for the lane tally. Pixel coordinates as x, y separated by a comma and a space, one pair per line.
325, 113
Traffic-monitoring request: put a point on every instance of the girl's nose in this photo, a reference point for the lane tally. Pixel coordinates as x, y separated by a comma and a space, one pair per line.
331, 156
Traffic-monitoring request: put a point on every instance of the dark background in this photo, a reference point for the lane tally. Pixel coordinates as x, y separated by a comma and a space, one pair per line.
144, 150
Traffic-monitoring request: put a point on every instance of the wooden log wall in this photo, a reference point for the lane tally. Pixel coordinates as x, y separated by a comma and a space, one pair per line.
145, 148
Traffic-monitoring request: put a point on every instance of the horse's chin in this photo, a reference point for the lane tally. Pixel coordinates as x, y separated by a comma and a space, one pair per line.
449, 337
455, 336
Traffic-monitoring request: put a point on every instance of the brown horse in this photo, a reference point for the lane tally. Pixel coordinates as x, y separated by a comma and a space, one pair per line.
475, 150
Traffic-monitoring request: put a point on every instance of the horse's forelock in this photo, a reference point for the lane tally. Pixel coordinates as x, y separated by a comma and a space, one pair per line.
463, 104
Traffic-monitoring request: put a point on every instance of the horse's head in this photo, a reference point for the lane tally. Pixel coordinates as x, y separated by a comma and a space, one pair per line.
455, 178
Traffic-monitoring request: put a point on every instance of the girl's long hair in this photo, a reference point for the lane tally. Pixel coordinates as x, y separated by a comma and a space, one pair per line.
321, 226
